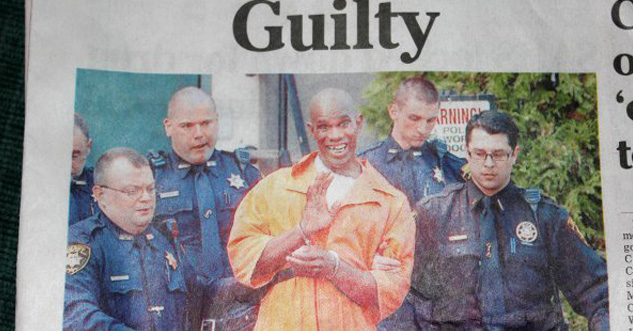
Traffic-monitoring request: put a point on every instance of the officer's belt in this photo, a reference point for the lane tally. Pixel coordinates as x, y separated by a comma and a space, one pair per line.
545, 312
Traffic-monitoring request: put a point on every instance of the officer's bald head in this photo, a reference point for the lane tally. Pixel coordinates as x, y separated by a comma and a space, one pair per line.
192, 125
190, 98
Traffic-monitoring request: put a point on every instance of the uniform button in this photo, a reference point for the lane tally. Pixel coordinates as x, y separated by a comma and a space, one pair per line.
208, 213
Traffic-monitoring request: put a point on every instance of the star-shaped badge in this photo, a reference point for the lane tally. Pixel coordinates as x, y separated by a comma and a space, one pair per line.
236, 181
438, 175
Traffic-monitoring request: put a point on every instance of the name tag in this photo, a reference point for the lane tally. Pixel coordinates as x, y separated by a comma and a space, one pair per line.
118, 278
458, 237
171, 194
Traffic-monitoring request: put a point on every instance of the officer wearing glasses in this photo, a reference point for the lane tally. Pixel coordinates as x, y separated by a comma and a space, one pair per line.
82, 204
123, 274
493, 256
198, 188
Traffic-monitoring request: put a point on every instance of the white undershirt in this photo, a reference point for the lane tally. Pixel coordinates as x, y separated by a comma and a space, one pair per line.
340, 186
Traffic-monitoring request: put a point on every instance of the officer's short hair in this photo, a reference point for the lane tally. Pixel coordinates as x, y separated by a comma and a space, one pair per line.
106, 159
81, 125
494, 122
417, 87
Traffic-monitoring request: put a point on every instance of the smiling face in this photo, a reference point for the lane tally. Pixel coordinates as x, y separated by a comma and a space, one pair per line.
413, 120
132, 214
193, 131
488, 175
335, 130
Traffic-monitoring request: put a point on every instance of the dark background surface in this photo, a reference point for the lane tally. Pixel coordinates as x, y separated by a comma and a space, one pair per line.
11, 135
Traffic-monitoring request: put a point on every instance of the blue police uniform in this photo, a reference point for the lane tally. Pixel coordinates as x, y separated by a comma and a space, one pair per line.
418, 172
202, 200
534, 248
119, 281
82, 205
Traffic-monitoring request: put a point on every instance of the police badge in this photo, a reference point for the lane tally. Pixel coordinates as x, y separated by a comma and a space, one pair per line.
526, 232
77, 257
438, 175
236, 181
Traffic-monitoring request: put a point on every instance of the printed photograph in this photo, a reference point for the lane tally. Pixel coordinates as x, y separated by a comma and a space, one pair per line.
365, 201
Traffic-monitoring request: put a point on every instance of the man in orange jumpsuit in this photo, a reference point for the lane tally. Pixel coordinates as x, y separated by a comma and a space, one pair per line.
323, 221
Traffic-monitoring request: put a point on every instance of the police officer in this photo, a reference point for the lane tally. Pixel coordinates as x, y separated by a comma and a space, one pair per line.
199, 187
123, 274
410, 162
82, 204
493, 256
416, 166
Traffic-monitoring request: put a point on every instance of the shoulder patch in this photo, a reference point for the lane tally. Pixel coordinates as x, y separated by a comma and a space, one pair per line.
156, 159
77, 257
243, 155
571, 225
371, 147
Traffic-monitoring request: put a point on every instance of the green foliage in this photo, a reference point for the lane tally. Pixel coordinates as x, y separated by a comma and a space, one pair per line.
558, 121
576, 322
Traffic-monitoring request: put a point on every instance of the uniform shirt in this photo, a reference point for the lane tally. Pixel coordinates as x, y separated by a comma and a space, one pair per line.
177, 199
418, 172
375, 213
538, 256
118, 281
82, 204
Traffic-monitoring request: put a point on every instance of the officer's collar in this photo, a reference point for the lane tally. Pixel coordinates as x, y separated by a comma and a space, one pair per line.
182, 167
84, 179
474, 195
127, 240
394, 149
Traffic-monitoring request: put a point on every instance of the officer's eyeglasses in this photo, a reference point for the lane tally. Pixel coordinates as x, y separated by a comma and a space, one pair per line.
135, 192
480, 156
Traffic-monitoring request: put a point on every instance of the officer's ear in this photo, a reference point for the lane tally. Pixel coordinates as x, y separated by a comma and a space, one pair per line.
88, 147
167, 124
515, 154
97, 194
393, 110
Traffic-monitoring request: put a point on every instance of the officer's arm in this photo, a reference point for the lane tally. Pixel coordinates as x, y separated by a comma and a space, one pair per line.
392, 287
81, 302
580, 273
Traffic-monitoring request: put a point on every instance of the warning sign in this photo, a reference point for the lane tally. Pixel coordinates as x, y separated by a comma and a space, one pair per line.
453, 117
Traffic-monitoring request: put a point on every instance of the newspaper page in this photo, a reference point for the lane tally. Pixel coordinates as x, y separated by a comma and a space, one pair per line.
117, 73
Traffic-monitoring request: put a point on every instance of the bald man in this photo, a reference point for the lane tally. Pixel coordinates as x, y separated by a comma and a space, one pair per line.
322, 222
199, 187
